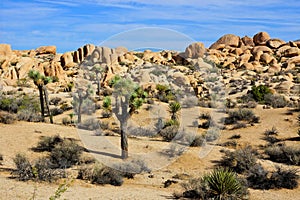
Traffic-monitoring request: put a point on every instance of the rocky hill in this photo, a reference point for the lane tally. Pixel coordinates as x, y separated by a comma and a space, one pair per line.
260, 58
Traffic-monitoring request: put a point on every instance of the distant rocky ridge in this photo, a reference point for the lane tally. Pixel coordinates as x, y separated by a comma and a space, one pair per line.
257, 57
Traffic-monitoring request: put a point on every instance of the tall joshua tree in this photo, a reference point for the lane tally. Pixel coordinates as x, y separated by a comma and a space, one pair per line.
79, 97
41, 81
128, 98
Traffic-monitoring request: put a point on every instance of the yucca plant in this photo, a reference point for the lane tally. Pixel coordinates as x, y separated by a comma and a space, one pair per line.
174, 108
223, 183
220, 184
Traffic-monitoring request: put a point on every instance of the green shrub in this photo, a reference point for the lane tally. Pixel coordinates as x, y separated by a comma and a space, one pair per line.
65, 154
259, 92
284, 154
219, 184
240, 160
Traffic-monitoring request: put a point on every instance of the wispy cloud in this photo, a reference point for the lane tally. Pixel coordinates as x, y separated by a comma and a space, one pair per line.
70, 23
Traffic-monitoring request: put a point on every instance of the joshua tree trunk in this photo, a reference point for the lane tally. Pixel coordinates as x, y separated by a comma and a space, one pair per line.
79, 111
47, 104
124, 141
42, 101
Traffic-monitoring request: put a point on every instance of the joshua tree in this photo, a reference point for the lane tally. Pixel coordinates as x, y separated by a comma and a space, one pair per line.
41, 81
174, 107
79, 97
128, 98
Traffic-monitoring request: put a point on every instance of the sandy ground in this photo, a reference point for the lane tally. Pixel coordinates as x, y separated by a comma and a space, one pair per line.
21, 136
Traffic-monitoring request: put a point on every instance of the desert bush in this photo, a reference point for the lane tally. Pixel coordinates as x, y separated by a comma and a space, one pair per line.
276, 101
46, 172
48, 143
65, 154
55, 101
250, 104
190, 102
284, 154
219, 184
198, 141
282, 178
7, 118
140, 131
29, 115
230, 104
66, 121
272, 131
241, 114
259, 178
174, 150
208, 123
99, 174
24, 169
212, 134
239, 125
132, 167
90, 124
56, 111
235, 136
169, 133
240, 160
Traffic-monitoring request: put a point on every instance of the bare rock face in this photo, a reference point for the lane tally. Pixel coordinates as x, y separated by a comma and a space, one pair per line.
266, 58
67, 60
291, 52
24, 66
195, 50
261, 38
5, 50
226, 40
275, 43
248, 41
46, 50
261, 48
292, 62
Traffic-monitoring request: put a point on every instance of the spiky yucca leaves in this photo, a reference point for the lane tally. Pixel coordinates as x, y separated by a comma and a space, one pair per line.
40, 81
219, 184
224, 184
174, 108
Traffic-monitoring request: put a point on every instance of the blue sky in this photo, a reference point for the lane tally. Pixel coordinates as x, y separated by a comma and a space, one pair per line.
69, 24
